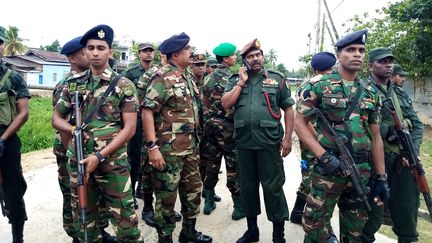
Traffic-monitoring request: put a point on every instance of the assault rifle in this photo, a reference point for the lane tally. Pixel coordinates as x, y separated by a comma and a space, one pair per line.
79, 153
410, 153
2, 204
348, 167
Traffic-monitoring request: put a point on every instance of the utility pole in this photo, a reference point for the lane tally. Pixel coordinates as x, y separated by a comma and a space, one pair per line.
330, 33
318, 25
331, 20
322, 33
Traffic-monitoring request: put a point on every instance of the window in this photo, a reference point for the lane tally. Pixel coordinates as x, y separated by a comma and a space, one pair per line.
123, 56
54, 78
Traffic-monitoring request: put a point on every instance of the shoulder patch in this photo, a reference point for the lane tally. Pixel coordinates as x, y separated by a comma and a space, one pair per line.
277, 73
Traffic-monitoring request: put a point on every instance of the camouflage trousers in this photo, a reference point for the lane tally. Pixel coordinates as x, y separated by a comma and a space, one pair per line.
109, 184
219, 142
326, 192
180, 174
146, 171
308, 158
403, 203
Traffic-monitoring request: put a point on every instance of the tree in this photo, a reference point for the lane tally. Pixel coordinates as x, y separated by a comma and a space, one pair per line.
272, 58
13, 43
54, 47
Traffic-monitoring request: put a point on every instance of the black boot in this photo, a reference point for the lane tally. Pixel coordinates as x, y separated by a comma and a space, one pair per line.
165, 238
133, 194
18, 232
139, 189
148, 212
75, 240
189, 233
297, 212
107, 238
252, 233
279, 232
177, 216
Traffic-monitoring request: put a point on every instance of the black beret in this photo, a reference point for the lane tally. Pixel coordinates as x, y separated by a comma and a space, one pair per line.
174, 43
323, 61
72, 46
358, 37
99, 32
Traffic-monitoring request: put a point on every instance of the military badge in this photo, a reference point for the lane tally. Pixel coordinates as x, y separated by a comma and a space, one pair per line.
270, 82
257, 43
101, 34
72, 87
127, 90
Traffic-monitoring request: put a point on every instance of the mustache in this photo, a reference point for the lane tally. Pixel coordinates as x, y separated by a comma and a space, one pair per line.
256, 62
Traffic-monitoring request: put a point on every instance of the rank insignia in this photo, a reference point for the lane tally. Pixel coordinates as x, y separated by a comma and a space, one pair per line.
101, 34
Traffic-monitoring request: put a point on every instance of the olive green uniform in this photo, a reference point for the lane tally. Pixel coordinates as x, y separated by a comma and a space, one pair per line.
258, 134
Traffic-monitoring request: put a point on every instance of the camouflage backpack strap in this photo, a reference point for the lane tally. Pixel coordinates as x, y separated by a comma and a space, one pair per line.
5, 77
101, 100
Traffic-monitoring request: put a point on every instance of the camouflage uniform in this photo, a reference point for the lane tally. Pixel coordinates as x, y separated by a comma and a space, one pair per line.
219, 129
110, 182
171, 95
136, 142
404, 193
331, 96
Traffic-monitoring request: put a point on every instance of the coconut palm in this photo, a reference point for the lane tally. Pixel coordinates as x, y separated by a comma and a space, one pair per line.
13, 43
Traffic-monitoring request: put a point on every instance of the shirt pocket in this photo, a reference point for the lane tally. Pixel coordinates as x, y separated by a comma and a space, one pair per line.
271, 93
182, 136
238, 127
182, 96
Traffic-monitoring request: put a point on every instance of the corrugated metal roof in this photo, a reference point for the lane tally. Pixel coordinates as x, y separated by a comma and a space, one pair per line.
19, 62
48, 56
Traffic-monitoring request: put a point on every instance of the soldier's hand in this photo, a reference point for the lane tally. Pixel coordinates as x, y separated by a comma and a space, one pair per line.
286, 146
90, 163
380, 191
243, 75
156, 159
405, 162
330, 163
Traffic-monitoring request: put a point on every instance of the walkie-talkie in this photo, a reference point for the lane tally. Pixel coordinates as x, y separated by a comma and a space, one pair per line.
246, 64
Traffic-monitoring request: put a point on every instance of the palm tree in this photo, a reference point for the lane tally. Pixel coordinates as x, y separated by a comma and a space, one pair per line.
272, 57
13, 44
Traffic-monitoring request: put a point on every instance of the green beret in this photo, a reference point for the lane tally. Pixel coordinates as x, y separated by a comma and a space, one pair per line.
397, 69
380, 53
224, 50
2, 34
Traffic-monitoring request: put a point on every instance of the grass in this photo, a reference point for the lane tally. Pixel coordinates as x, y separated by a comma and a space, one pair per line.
37, 132
423, 226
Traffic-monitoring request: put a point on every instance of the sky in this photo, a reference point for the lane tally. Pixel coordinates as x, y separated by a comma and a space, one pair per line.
280, 25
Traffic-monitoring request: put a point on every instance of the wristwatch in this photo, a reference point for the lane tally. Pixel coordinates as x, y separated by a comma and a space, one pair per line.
150, 144
100, 157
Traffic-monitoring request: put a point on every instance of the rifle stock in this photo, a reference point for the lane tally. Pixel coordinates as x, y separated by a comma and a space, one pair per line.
410, 153
347, 161
79, 153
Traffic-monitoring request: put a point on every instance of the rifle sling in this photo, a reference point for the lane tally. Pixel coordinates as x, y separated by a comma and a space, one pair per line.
351, 107
101, 100
5, 77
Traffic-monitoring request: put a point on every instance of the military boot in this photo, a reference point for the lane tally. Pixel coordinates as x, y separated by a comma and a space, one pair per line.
148, 212
252, 233
18, 232
139, 189
107, 238
190, 234
209, 203
75, 240
238, 212
297, 212
279, 232
177, 216
164, 238
332, 237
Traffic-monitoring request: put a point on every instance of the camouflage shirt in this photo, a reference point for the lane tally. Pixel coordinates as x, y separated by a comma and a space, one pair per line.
330, 95
171, 95
257, 111
214, 85
108, 120
134, 73
143, 82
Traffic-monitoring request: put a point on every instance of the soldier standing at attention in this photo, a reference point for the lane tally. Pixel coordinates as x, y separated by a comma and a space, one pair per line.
258, 95
322, 63
212, 64
404, 193
106, 133
170, 122
146, 55
14, 112
352, 108
399, 75
218, 133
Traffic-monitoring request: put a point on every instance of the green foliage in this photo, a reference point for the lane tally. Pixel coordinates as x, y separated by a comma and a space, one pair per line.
13, 43
54, 47
37, 132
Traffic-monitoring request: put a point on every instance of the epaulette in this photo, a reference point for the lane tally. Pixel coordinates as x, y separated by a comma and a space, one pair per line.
78, 77
276, 72
161, 71
107, 74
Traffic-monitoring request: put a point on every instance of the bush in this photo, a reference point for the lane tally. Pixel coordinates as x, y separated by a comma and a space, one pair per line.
37, 132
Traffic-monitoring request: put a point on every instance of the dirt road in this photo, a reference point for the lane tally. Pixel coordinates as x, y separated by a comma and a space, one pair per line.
43, 202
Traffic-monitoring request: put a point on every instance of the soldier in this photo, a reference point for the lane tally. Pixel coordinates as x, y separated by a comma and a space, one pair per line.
170, 121
352, 108
322, 63
404, 193
218, 132
107, 128
212, 64
147, 213
14, 112
258, 95
146, 55
399, 75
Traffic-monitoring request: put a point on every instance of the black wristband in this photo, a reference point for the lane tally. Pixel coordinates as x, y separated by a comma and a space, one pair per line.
100, 157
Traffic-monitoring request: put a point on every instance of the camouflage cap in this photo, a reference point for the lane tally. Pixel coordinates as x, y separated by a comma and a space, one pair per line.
397, 69
2, 33
145, 45
211, 61
380, 53
99, 32
252, 45
199, 58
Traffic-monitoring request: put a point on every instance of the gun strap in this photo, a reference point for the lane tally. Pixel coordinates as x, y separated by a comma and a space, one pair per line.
5, 77
352, 104
101, 100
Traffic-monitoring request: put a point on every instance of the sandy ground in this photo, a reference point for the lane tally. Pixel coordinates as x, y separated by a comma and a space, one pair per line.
43, 202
